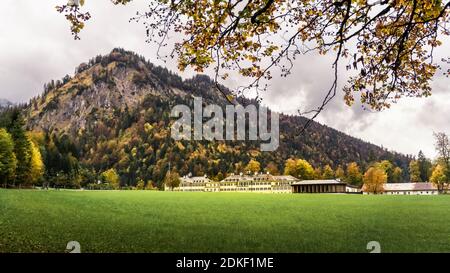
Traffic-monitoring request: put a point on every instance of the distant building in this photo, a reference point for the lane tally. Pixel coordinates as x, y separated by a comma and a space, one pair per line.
323, 186
264, 183
409, 189
193, 183
258, 183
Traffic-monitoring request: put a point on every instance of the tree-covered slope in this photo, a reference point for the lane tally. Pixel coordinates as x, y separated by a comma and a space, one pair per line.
114, 113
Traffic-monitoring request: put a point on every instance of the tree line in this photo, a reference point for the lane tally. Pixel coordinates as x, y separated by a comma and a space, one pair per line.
130, 146
43, 159
35, 158
21, 163
421, 169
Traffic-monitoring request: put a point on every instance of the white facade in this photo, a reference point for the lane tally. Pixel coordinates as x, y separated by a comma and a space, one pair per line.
263, 183
352, 189
196, 183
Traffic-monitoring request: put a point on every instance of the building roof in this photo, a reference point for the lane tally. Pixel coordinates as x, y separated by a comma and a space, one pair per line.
410, 187
238, 177
195, 179
259, 177
285, 177
319, 182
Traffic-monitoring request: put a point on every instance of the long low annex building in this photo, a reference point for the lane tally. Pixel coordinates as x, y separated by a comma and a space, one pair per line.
323, 186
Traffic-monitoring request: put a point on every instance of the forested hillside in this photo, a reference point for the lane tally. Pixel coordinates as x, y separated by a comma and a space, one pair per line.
113, 114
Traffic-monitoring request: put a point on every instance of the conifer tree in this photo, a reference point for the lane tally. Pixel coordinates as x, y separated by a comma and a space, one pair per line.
8, 162
22, 149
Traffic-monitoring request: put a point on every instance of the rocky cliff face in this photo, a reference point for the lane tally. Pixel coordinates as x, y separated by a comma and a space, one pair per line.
96, 90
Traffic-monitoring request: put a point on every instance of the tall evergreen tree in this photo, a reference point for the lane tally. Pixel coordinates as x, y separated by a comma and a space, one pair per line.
8, 162
424, 167
22, 149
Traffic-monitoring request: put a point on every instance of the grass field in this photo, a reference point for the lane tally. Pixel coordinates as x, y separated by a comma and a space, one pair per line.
144, 221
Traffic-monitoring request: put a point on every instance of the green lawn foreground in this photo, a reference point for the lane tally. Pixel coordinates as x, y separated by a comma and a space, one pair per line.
148, 221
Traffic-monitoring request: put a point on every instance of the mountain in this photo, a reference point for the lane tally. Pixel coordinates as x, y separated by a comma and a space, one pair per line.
4, 103
114, 113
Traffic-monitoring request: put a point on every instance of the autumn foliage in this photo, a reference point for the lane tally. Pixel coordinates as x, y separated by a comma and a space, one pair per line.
389, 45
374, 180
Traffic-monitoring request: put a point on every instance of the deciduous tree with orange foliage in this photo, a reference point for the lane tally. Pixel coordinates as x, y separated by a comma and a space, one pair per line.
299, 168
374, 180
253, 166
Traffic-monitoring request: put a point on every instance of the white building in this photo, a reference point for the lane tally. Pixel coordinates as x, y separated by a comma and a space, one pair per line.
409, 189
264, 183
193, 183
258, 183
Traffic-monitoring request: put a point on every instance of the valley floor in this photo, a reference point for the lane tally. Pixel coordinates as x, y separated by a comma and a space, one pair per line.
148, 221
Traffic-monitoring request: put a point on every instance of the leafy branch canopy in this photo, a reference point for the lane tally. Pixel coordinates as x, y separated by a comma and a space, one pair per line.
388, 44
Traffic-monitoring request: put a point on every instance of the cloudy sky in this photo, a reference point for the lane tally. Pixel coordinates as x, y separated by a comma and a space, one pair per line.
36, 46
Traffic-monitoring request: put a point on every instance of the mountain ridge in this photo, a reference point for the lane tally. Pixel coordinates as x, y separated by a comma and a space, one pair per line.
4, 103
118, 104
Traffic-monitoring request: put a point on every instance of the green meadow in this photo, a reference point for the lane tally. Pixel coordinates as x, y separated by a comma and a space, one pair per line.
149, 221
